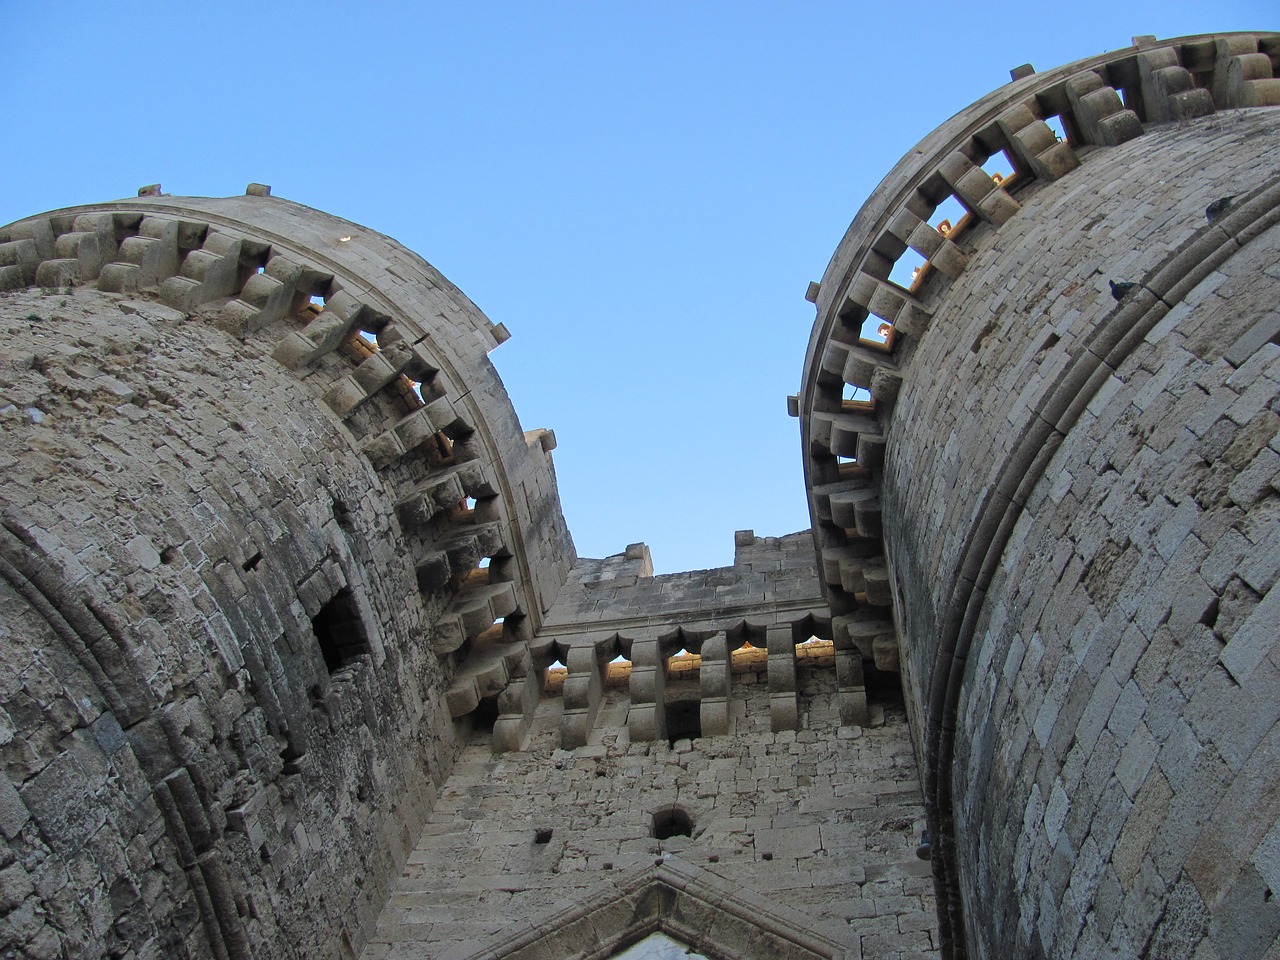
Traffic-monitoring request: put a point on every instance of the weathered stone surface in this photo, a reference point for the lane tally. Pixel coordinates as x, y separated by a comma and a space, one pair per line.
297, 658
1069, 491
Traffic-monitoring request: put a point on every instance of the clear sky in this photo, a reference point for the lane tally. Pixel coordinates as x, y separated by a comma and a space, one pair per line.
640, 191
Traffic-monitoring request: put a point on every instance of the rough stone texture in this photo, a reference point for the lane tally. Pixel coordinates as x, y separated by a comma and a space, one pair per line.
275, 548
769, 575
297, 658
263, 525
200, 749
824, 821
1132, 659
1079, 514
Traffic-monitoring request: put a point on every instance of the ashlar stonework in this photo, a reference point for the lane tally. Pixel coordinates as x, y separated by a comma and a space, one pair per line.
297, 658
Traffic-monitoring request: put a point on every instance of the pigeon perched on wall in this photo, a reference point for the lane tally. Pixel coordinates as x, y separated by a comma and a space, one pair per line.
1216, 209
1122, 289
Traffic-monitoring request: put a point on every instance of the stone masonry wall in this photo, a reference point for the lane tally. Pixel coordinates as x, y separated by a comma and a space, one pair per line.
266, 490
1118, 712
801, 798
824, 820
1151, 777
768, 572
185, 775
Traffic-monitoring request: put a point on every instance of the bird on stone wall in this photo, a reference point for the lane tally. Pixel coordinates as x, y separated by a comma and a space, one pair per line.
1216, 209
1122, 289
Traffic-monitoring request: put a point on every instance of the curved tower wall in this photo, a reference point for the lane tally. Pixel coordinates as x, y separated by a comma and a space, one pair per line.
265, 499
1078, 497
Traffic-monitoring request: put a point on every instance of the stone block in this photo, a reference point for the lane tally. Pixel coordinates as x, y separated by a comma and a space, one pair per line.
13, 812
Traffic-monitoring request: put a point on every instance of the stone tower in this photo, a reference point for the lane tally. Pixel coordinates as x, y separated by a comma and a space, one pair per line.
1074, 496
297, 658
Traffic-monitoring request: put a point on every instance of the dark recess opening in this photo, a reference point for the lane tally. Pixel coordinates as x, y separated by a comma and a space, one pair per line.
684, 719
884, 687
672, 822
340, 631
485, 715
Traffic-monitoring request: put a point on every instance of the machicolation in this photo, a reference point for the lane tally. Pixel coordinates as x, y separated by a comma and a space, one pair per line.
297, 657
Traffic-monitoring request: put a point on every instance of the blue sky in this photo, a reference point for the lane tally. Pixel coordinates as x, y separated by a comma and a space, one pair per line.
639, 191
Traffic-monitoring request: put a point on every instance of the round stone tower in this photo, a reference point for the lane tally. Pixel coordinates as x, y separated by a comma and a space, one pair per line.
1066, 427
267, 511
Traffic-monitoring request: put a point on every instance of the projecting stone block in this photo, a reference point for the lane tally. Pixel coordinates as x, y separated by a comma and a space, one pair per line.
977, 190
462, 698
1100, 112
207, 274
852, 695
84, 249
784, 710
876, 576
39, 231
645, 723
146, 259
58, 273
647, 717
1169, 91
583, 687
20, 258
885, 653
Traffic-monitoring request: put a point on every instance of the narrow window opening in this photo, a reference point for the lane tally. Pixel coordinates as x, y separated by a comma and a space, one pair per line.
555, 677
1055, 124
1209, 617
485, 715
290, 756
684, 720
340, 631
876, 330
998, 167
342, 514
947, 215
906, 269
858, 395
